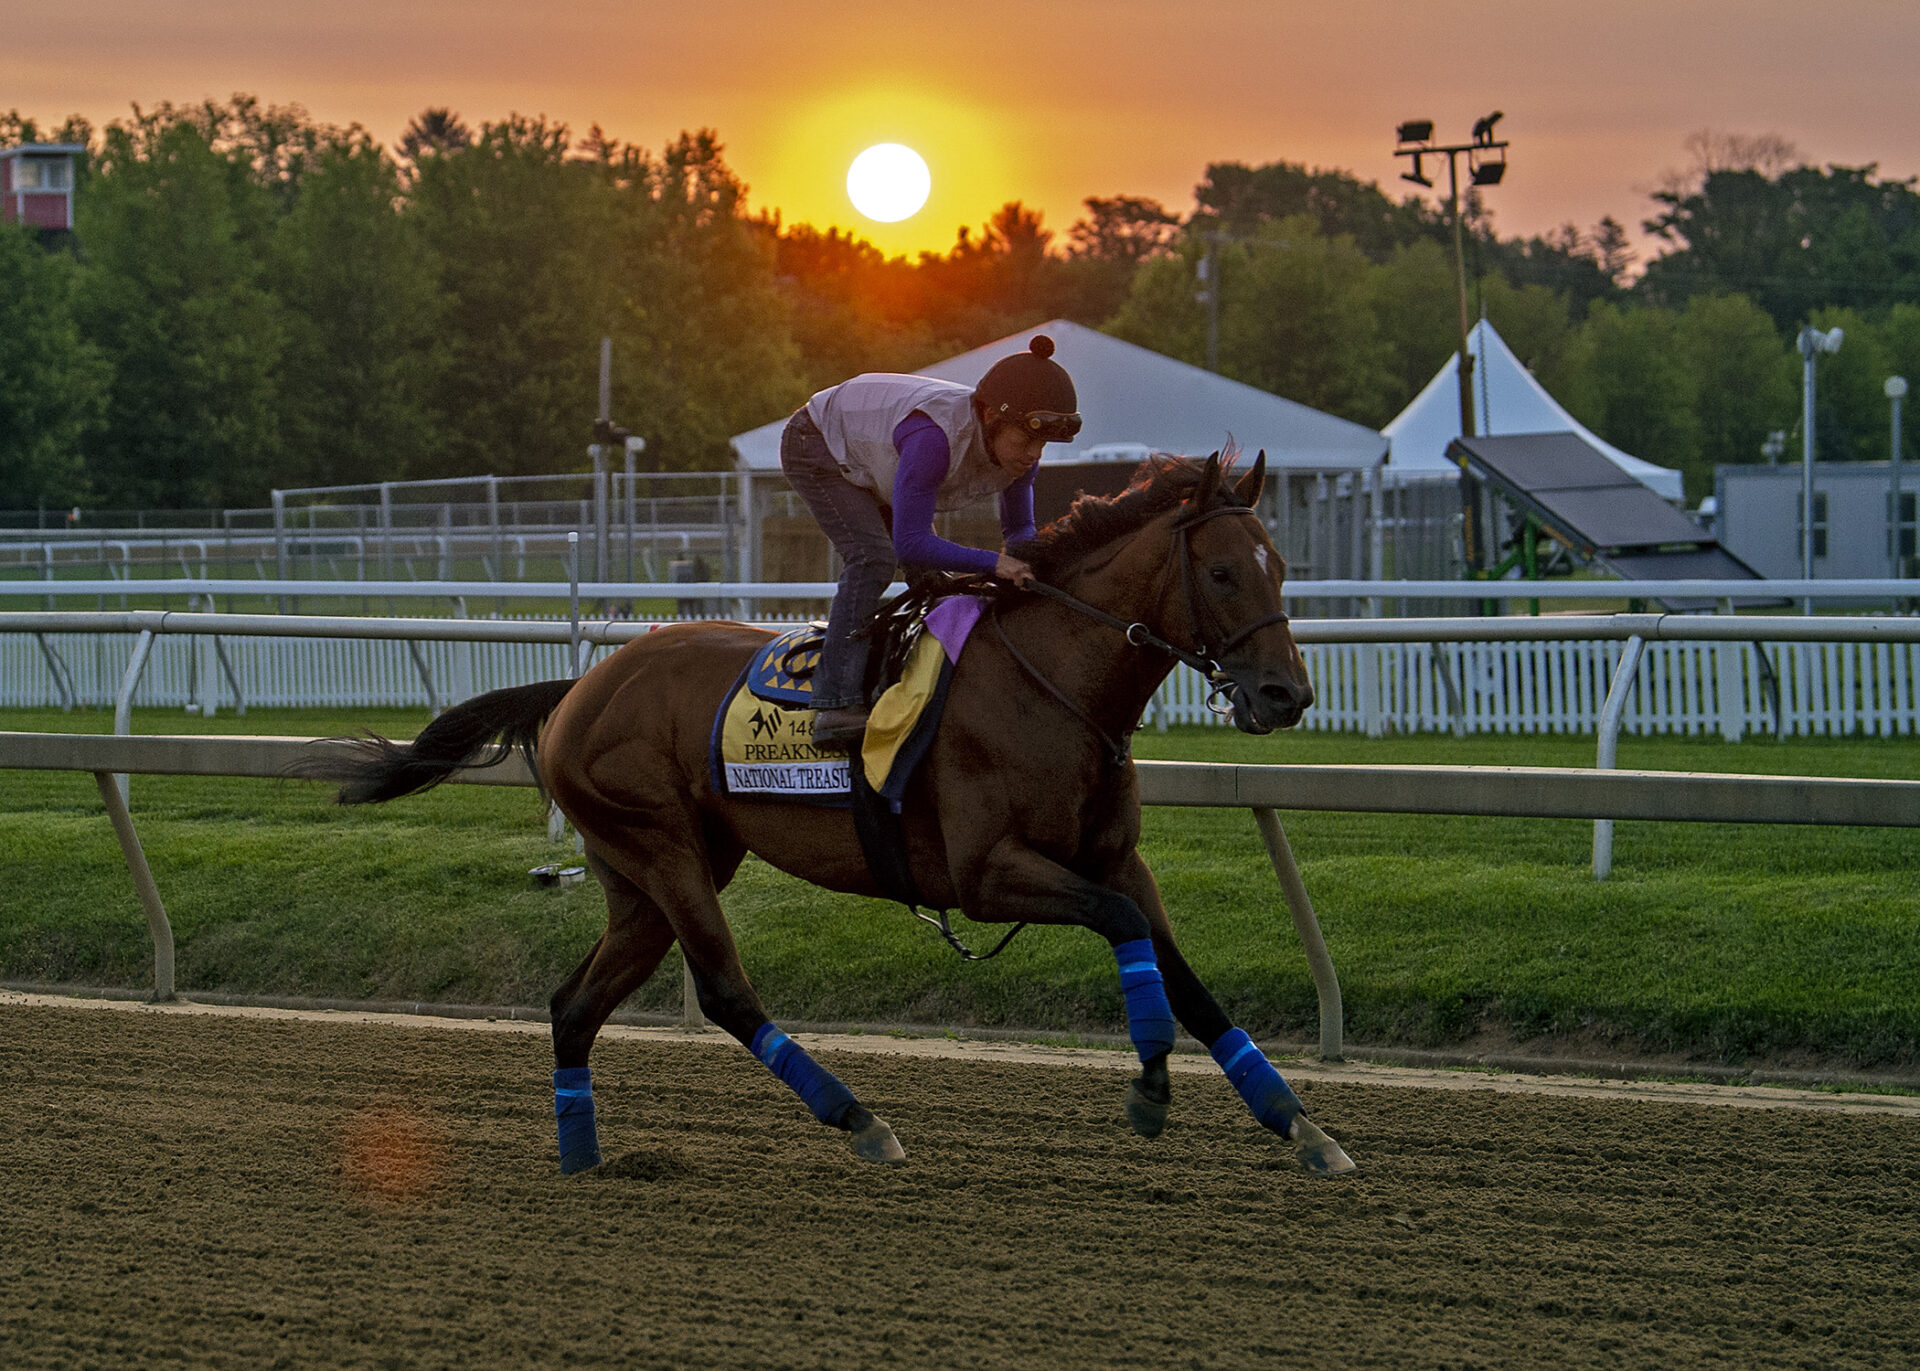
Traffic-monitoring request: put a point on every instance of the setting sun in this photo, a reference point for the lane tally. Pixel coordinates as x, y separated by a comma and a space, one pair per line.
888, 182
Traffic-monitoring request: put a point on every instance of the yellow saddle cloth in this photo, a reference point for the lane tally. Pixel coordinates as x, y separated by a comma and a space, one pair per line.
763, 747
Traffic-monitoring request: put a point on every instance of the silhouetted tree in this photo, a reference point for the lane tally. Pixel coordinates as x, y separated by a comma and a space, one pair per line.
434, 132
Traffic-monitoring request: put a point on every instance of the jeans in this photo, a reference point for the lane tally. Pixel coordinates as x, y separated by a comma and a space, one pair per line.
859, 529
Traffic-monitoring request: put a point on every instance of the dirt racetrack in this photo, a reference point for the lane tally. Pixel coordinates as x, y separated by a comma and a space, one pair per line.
257, 1191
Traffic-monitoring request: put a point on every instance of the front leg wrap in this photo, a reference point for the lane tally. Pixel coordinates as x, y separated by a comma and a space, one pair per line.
573, 1112
818, 1088
1267, 1094
1149, 1016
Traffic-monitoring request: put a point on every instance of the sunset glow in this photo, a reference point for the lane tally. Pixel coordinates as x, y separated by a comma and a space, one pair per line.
803, 168
888, 182
1137, 102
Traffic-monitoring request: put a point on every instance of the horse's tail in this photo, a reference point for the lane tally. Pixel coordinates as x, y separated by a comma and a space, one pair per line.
480, 732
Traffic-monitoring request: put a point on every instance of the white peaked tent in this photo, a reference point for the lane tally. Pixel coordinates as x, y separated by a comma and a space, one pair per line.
1138, 401
1506, 400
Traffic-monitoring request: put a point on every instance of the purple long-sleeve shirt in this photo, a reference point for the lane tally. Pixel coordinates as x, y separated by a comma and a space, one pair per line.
925, 458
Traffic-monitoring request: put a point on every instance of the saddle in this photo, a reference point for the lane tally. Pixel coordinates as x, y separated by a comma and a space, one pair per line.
762, 741
762, 738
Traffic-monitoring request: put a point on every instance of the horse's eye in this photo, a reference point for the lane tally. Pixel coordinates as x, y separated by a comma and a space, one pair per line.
1222, 576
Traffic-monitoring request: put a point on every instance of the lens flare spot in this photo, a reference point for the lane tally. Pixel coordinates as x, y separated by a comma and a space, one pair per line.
392, 1157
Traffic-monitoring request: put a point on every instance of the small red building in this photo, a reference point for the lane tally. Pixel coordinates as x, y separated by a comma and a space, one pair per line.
36, 184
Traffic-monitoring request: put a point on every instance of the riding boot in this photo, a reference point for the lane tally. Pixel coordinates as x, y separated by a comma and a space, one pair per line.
840, 730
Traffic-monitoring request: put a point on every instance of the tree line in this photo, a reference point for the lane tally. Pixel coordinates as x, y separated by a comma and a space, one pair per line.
253, 299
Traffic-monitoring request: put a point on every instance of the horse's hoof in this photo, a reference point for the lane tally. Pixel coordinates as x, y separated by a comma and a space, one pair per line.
873, 1141
1317, 1152
578, 1160
1147, 1115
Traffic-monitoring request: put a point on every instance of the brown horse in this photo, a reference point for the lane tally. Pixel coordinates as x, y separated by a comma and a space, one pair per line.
1025, 808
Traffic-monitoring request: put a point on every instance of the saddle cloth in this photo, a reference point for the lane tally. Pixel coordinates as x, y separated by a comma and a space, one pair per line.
763, 733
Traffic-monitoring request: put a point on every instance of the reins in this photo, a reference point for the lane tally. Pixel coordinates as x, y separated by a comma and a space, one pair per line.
1200, 657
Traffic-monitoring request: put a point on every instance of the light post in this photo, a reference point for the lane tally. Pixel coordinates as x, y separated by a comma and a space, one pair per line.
1896, 389
1812, 343
1486, 164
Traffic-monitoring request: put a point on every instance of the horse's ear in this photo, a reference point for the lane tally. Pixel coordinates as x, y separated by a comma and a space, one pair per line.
1209, 483
1247, 492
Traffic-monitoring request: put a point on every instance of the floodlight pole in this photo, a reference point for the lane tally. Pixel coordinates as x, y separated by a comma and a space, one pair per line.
1812, 343
1415, 141
1467, 426
1896, 390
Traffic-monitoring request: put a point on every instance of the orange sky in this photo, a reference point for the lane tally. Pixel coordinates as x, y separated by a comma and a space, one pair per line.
1048, 101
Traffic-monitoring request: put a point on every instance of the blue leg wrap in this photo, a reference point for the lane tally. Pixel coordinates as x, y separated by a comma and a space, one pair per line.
819, 1089
573, 1111
1149, 1016
1269, 1097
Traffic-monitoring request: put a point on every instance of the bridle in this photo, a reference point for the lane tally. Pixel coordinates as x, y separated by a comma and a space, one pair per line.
1201, 657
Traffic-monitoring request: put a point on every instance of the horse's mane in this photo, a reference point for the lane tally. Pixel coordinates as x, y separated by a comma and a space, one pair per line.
1094, 521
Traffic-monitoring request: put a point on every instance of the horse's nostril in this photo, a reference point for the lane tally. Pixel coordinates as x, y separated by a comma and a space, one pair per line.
1286, 696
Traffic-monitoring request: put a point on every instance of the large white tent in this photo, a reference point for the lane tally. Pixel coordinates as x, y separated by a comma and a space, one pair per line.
1506, 400
1138, 401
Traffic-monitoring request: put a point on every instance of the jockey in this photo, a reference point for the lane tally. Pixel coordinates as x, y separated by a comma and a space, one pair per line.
877, 456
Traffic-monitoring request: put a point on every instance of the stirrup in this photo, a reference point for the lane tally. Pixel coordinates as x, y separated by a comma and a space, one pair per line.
843, 735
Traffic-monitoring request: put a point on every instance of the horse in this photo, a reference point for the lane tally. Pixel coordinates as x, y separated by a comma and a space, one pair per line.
1025, 807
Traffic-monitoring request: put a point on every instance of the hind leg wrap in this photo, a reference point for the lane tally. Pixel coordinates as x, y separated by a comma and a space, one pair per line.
819, 1089
573, 1112
1149, 1016
1268, 1095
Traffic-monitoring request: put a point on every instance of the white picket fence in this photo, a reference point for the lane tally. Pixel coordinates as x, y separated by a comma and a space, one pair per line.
1559, 687
1525, 687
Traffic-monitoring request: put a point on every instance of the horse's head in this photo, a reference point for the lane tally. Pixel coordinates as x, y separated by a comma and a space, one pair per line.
1230, 574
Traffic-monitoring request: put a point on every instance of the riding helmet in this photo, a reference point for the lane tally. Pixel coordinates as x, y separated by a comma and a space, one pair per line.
1031, 389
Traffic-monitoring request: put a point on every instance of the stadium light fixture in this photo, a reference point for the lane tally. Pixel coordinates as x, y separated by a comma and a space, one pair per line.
1486, 165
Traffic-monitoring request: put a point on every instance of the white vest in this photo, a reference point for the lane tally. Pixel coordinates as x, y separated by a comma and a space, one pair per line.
858, 417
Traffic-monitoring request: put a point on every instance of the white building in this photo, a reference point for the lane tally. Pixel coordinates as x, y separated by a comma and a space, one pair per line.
1757, 516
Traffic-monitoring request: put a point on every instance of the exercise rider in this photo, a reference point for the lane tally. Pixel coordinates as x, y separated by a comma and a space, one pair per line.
877, 456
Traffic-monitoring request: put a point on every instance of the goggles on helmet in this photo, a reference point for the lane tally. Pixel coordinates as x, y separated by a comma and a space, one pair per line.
1049, 426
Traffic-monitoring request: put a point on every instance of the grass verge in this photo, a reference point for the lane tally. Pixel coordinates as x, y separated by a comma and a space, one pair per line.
1723, 942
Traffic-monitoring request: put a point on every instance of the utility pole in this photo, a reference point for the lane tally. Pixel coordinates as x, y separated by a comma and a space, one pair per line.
1209, 295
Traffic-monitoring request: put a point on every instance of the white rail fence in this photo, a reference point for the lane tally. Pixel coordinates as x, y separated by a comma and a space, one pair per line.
1834, 688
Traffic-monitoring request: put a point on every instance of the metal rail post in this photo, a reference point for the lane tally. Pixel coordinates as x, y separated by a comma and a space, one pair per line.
157, 923
123, 702
1610, 716
1307, 925
691, 1015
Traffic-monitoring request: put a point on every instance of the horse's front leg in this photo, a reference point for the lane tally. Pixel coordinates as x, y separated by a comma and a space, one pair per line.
1017, 883
1266, 1093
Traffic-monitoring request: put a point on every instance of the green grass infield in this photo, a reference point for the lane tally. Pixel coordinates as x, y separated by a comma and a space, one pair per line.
1729, 943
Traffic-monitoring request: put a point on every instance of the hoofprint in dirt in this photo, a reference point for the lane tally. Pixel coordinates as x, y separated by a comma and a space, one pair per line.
260, 1189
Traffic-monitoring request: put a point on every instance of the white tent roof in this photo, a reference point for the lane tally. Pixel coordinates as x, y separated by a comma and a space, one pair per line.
1137, 401
1506, 400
